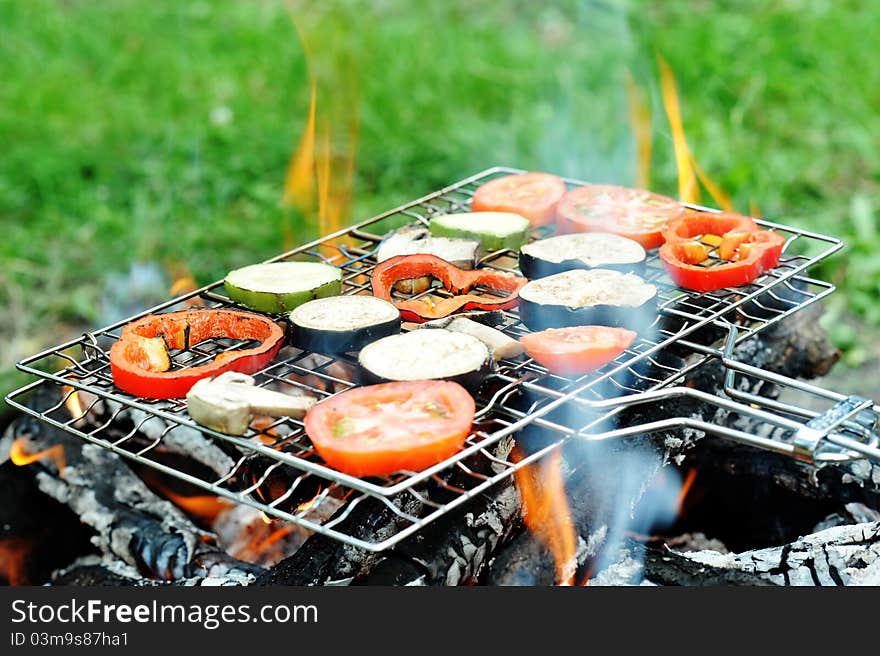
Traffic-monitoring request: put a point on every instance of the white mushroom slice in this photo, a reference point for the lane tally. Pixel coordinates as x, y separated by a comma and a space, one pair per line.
227, 403
502, 346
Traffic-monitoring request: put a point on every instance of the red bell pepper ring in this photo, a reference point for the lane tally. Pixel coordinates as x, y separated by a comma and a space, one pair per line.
140, 363
747, 250
458, 281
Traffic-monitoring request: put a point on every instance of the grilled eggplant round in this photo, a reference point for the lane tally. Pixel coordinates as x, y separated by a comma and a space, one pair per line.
584, 250
581, 298
437, 354
339, 324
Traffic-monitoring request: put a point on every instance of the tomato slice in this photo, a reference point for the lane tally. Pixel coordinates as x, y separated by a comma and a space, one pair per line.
633, 213
578, 349
532, 195
381, 429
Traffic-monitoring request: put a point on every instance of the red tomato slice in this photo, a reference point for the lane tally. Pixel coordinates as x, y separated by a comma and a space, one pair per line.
633, 213
532, 195
577, 350
381, 429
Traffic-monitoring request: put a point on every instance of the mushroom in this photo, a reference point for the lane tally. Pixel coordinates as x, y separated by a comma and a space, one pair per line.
227, 403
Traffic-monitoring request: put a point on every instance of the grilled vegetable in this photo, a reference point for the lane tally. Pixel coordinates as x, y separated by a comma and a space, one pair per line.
457, 281
226, 403
633, 213
502, 346
581, 298
281, 286
425, 355
495, 230
381, 429
416, 239
140, 363
586, 250
342, 323
532, 195
577, 350
744, 249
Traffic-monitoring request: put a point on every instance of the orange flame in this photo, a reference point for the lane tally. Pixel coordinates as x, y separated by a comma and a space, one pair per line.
184, 283
204, 507
689, 171
546, 512
685, 490
640, 120
311, 502
754, 210
14, 552
72, 402
19, 455
322, 164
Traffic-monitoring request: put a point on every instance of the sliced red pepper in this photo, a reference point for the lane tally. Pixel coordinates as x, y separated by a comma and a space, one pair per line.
140, 363
746, 250
458, 281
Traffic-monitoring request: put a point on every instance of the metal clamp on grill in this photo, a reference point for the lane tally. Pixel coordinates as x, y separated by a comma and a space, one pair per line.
808, 439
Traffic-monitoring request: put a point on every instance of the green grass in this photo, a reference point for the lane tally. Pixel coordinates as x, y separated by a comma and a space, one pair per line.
111, 155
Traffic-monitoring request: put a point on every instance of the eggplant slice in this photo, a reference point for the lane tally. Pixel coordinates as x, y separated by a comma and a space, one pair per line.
584, 250
340, 324
581, 298
437, 354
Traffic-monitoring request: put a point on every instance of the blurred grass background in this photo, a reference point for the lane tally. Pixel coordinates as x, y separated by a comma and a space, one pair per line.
153, 135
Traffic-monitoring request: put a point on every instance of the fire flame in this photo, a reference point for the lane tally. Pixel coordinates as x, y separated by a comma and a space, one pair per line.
685, 490
14, 552
19, 455
184, 283
689, 171
322, 164
546, 512
72, 402
205, 507
640, 120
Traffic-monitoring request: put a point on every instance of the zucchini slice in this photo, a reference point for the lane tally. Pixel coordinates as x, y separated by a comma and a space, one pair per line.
584, 250
426, 355
495, 230
596, 297
340, 324
281, 286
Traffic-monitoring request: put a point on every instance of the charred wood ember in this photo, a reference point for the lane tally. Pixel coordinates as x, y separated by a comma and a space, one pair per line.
453, 550
324, 561
29, 522
131, 523
842, 555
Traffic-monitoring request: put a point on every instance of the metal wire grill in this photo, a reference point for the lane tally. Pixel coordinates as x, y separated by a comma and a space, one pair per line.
274, 468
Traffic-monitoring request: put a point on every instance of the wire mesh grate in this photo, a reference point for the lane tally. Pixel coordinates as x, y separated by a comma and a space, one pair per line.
274, 468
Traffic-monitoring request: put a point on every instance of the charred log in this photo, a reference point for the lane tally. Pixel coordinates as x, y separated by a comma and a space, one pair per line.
130, 522
842, 555
29, 520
